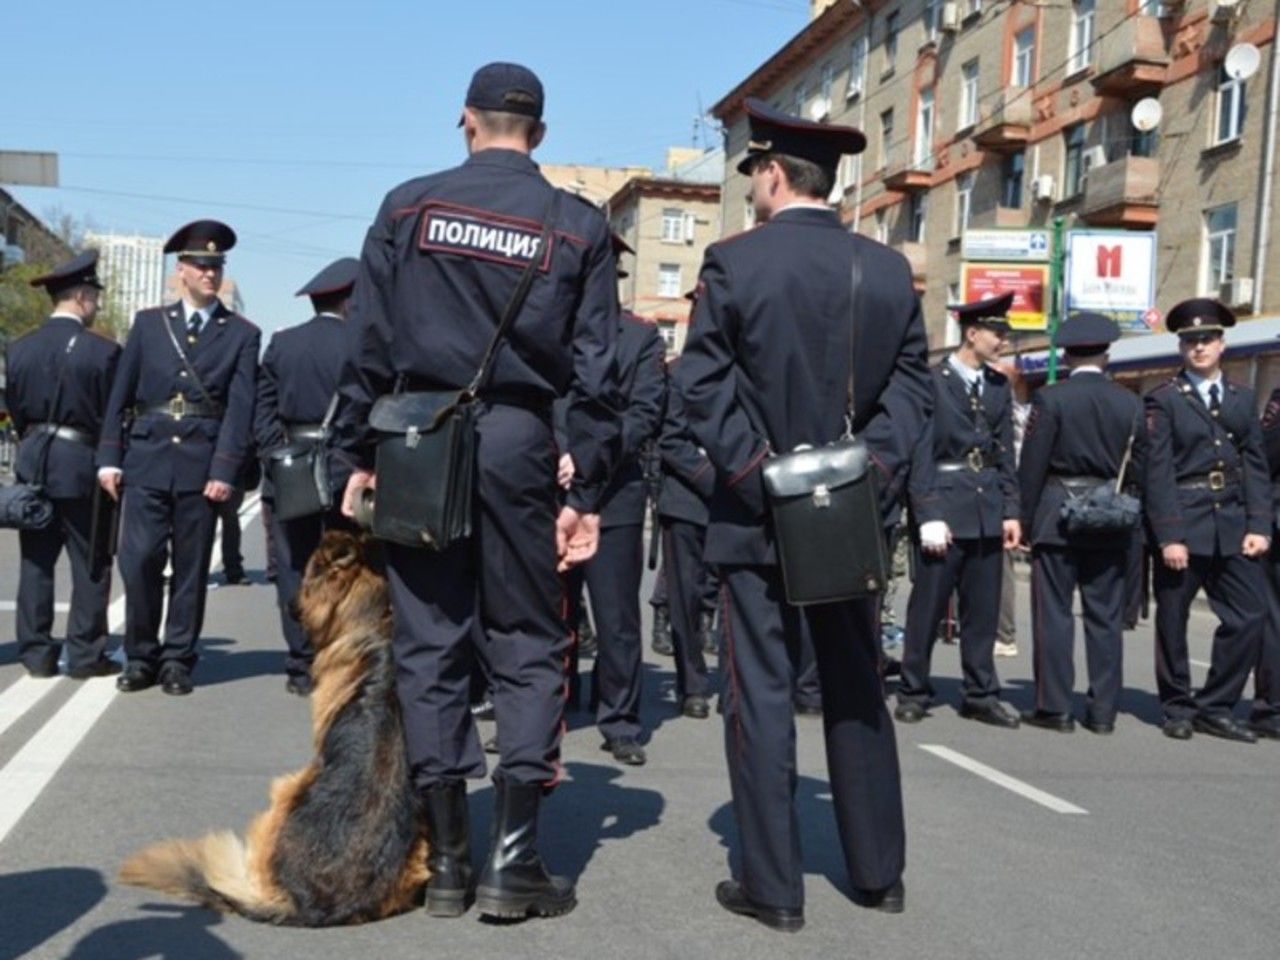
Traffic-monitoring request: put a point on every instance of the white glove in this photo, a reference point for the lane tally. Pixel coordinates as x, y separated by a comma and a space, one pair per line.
935, 534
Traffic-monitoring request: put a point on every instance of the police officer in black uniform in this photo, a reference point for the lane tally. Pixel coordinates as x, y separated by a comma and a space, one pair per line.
439, 265
767, 367
62, 360
175, 437
1208, 506
297, 384
1265, 718
964, 500
1082, 432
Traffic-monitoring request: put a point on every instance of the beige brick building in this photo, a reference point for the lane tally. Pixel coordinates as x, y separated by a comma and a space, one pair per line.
986, 113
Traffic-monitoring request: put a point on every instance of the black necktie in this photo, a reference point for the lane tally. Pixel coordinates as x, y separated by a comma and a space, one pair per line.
193, 326
1215, 405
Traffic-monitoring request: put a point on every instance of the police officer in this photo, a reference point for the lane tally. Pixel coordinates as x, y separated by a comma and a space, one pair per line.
1082, 432
439, 265
1265, 718
767, 367
1208, 506
297, 384
63, 361
174, 439
964, 499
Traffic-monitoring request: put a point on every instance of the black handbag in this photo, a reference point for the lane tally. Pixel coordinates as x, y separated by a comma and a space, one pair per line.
426, 446
1104, 508
825, 506
299, 473
26, 506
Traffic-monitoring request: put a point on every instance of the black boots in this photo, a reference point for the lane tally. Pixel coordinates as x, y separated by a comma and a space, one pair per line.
514, 884
660, 641
449, 888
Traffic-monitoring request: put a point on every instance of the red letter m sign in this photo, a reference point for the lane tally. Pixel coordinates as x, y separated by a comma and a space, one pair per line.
1108, 261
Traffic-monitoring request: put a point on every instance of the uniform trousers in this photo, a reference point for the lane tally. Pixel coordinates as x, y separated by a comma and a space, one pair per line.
153, 523
500, 589
1056, 573
71, 528
295, 541
682, 548
228, 512
1233, 585
762, 644
1266, 678
975, 569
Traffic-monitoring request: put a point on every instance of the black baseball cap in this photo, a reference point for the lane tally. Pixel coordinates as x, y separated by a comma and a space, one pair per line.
506, 87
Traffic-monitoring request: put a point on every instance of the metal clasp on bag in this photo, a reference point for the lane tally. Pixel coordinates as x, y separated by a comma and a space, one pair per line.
411, 437
821, 496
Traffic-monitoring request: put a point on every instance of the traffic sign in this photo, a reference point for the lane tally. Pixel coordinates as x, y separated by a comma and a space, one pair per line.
1005, 244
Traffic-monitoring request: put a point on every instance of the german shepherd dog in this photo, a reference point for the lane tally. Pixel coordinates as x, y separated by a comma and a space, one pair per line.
343, 840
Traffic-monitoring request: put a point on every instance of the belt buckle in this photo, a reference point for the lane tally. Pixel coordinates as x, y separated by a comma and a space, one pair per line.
1217, 480
178, 406
974, 459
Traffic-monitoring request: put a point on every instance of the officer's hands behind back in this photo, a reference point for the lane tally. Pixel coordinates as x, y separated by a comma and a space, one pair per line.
577, 537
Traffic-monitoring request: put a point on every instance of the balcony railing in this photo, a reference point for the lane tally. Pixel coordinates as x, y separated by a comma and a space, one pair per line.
1133, 59
1005, 123
1123, 193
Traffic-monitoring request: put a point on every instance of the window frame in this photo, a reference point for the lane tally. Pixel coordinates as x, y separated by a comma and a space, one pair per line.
668, 213
1084, 20
1024, 56
1225, 268
968, 112
1229, 92
664, 274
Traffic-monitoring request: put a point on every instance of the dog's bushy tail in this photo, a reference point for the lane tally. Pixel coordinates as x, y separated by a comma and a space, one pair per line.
212, 871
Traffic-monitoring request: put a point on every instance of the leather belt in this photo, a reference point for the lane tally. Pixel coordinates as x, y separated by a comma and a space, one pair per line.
304, 431
974, 461
62, 433
180, 408
1213, 480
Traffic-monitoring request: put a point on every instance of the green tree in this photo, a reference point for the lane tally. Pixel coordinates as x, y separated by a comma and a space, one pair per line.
22, 306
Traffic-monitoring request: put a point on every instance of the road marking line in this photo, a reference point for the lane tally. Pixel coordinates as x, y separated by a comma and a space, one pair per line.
1200, 663
25, 776
20, 697
11, 606
1012, 784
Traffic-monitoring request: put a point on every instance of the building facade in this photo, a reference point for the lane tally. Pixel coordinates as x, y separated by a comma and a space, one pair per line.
132, 267
25, 238
990, 113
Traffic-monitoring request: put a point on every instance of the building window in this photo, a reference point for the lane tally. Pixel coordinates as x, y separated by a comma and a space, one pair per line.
972, 8
672, 225
1230, 111
964, 202
968, 94
1011, 186
932, 18
919, 214
891, 26
669, 280
828, 81
1082, 14
882, 227
1144, 143
857, 67
1073, 166
1219, 248
1024, 57
922, 158
886, 138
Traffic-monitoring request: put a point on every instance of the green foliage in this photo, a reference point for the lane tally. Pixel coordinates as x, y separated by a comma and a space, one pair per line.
22, 306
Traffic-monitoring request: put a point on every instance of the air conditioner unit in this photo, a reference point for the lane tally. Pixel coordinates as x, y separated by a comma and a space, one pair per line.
1237, 292
1224, 11
1094, 157
950, 20
1043, 188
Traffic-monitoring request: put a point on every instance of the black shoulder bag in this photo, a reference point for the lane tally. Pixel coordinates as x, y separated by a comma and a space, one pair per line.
425, 460
827, 523
1105, 508
299, 473
25, 506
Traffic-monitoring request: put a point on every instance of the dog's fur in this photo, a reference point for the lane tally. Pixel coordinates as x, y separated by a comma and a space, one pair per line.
342, 841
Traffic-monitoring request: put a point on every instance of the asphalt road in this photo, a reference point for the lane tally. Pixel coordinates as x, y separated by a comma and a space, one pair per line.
1132, 846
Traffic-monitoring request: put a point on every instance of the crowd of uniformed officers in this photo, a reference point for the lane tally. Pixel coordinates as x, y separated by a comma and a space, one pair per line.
169, 427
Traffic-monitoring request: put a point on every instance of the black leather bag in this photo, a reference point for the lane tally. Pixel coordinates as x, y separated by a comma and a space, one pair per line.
827, 523
299, 474
425, 462
1104, 508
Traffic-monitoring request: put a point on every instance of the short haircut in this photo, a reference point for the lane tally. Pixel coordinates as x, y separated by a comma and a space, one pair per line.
803, 176
499, 123
330, 302
59, 294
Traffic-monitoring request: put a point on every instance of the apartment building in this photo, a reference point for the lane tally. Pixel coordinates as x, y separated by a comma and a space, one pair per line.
132, 268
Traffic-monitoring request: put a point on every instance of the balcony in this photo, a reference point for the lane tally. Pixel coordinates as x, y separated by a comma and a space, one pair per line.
998, 217
910, 176
1132, 59
916, 256
1006, 124
1123, 193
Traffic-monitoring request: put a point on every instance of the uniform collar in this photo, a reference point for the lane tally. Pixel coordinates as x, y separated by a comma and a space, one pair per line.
1201, 385
1087, 368
67, 316
206, 313
807, 213
325, 314
498, 157
967, 374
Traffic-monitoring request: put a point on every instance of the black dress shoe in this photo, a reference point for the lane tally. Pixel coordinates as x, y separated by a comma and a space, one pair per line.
696, 706
1226, 727
892, 899
300, 685
1266, 726
1057, 722
175, 680
491, 745
660, 641
1101, 727
909, 711
1177, 728
808, 709
994, 714
136, 676
102, 667
234, 576
626, 750
731, 896
42, 671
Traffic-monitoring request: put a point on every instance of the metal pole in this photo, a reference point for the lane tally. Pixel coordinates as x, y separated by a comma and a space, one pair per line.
1057, 256
1263, 230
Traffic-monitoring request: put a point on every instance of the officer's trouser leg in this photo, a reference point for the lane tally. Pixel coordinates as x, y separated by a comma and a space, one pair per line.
613, 579
1007, 632
979, 616
1102, 598
762, 645
658, 595
1266, 679
193, 525
34, 620
1053, 584
86, 623
862, 752
1174, 590
144, 550
682, 546
808, 691
228, 513
1234, 586
935, 580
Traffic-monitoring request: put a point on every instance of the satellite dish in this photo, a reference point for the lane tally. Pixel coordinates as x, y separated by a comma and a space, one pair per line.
1147, 114
1242, 61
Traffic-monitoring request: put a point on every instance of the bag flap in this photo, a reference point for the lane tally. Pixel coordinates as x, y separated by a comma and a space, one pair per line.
799, 473
291, 451
398, 412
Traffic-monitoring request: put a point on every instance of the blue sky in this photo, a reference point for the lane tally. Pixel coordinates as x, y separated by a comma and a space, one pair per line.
291, 120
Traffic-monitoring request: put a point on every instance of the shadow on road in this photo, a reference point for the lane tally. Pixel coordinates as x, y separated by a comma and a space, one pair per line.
219, 665
39, 904
172, 933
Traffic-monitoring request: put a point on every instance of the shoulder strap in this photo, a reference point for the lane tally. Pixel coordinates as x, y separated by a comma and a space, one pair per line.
182, 355
53, 417
328, 413
518, 296
855, 283
1128, 450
